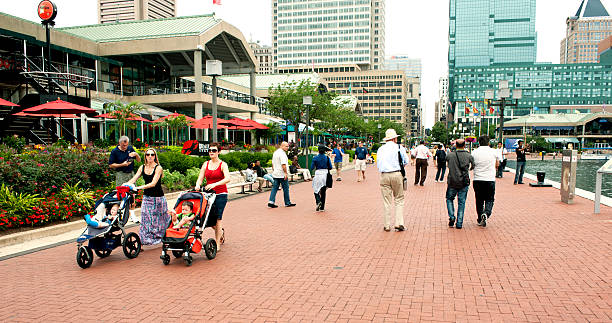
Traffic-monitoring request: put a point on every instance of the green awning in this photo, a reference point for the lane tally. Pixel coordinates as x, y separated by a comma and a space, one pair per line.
562, 140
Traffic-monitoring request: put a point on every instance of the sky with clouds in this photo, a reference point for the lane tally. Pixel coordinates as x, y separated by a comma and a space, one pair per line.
414, 28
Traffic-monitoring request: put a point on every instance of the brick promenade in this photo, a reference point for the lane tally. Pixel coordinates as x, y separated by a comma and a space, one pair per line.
537, 260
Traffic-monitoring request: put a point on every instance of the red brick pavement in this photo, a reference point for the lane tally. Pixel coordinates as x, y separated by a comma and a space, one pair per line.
537, 260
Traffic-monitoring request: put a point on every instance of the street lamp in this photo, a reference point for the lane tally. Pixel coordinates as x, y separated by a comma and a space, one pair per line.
307, 101
503, 101
379, 126
214, 69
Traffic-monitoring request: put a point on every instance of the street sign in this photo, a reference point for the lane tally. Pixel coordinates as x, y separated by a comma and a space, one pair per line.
47, 10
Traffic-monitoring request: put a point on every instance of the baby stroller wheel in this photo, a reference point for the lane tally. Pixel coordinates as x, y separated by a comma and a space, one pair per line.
177, 253
103, 253
210, 248
188, 260
165, 259
84, 257
131, 245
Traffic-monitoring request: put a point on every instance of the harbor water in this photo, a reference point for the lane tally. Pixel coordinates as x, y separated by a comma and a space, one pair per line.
585, 173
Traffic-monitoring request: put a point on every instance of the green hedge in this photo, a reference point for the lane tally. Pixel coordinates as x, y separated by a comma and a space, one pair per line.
175, 161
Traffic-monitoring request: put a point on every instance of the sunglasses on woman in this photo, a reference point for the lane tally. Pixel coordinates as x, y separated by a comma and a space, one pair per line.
150, 154
213, 150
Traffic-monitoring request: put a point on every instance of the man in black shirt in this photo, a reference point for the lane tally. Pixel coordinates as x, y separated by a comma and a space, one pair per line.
262, 175
520, 163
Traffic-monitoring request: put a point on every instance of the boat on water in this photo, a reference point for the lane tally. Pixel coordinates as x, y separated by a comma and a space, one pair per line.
599, 153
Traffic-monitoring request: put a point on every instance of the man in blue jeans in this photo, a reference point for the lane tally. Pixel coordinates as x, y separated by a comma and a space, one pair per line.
460, 162
280, 168
520, 163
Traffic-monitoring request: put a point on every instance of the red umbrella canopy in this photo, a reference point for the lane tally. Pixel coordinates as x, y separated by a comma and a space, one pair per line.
59, 107
256, 124
238, 124
7, 103
175, 115
132, 117
207, 123
64, 116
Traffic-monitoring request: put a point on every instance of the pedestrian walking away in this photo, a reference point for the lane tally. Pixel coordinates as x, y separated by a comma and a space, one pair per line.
486, 160
154, 208
321, 164
216, 173
280, 169
440, 160
361, 155
337, 154
459, 163
121, 160
391, 159
501, 156
422, 155
520, 163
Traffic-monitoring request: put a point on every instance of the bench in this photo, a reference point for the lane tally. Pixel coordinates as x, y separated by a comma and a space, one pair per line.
242, 185
291, 176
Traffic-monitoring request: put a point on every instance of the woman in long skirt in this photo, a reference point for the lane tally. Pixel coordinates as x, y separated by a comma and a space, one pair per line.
322, 165
154, 209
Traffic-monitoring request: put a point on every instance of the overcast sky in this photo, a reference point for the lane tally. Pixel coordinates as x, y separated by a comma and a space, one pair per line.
416, 28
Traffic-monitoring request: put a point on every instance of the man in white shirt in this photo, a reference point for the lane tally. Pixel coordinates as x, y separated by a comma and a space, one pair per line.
501, 156
391, 178
280, 167
422, 154
486, 160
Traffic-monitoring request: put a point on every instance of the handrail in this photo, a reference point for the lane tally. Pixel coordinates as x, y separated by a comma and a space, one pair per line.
605, 169
72, 137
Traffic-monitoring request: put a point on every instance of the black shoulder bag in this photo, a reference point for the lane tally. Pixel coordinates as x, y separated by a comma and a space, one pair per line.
330, 180
402, 170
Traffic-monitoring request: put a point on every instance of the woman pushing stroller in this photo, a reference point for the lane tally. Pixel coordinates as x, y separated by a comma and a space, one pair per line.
217, 176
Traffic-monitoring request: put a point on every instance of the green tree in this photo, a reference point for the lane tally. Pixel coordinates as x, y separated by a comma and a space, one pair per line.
273, 130
122, 111
174, 124
439, 132
286, 101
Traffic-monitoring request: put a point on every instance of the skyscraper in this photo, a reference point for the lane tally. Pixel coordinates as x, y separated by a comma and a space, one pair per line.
328, 33
411, 66
590, 25
486, 32
110, 11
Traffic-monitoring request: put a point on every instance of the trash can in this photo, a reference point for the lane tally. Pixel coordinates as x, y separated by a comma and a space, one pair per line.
541, 176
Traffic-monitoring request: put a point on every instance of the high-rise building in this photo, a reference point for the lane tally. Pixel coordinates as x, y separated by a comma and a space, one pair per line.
111, 11
590, 25
486, 32
263, 54
381, 95
328, 33
441, 110
411, 66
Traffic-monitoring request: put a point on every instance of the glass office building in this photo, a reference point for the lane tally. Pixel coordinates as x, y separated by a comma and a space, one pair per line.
542, 85
486, 32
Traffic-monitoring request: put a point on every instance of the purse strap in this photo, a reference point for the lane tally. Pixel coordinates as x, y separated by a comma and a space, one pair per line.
401, 164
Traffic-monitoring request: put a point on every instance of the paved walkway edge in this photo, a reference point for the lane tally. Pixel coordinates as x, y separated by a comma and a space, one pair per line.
579, 192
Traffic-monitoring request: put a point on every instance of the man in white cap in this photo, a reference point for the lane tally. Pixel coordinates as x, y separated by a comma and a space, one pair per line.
391, 159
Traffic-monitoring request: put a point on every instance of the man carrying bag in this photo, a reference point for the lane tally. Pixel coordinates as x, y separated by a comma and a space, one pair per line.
390, 160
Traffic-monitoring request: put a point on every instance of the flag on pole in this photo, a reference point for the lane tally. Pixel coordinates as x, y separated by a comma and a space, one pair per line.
350, 90
217, 2
365, 91
491, 110
484, 111
468, 104
467, 110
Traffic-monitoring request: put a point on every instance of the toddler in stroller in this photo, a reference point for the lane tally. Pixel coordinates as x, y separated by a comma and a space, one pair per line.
183, 219
184, 236
105, 229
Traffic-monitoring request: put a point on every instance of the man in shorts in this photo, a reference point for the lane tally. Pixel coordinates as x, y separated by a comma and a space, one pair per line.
361, 154
338, 151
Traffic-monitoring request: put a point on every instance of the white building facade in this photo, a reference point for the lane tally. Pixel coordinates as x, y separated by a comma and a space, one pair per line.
411, 66
328, 33
111, 11
264, 57
442, 108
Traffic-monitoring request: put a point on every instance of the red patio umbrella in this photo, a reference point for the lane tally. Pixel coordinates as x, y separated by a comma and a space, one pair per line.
174, 115
256, 124
59, 107
207, 123
7, 103
49, 115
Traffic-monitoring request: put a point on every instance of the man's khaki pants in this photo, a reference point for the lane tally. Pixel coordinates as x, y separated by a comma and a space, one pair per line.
392, 188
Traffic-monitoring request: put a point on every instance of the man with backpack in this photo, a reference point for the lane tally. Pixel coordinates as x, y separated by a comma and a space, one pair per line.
460, 162
440, 160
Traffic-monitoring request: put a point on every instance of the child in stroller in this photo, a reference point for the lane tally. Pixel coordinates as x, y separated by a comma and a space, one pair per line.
185, 239
183, 219
105, 232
